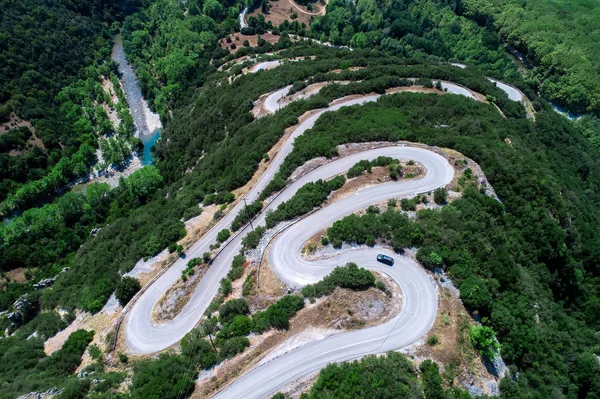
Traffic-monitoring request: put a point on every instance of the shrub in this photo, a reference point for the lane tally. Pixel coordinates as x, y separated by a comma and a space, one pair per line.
373, 209
484, 340
226, 287
163, 378
223, 235
95, 352
199, 349
239, 326
194, 262
246, 214
252, 239
232, 308
440, 195
349, 276
237, 268
248, 286
429, 258
433, 340
232, 347
432, 381
126, 289
278, 314
235, 273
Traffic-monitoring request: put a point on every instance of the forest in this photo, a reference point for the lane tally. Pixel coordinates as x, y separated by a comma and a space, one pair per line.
171, 50
558, 38
414, 28
54, 62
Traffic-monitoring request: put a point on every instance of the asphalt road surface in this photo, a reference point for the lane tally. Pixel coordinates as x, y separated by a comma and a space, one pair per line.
420, 302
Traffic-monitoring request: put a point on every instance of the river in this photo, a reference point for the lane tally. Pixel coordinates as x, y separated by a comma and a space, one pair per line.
147, 123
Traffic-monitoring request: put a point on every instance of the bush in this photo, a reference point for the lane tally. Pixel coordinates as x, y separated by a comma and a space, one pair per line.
223, 235
429, 258
484, 340
95, 352
232, 347
233, 308
198, 349
252, 239
433, 340
126, 289
440, 195
278, 314
249, 283
65, 361
409, 205
239, 326
365, 165
226, 287
349, 276
237, 268
246, 214
194, 262
389, 376
162, 378
432, 382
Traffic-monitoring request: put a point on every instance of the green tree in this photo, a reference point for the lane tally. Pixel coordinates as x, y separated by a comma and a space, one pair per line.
223, 235
213, 9
440, 195
126, 289
483, 339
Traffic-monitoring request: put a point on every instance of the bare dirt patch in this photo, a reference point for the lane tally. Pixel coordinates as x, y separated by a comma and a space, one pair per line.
282, 10
15, 122
15, 276
101, 323
354, 68
198, 226
318, 7
239, 39
378, 175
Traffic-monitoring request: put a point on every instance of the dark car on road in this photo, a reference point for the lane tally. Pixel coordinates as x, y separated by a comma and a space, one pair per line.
388, 260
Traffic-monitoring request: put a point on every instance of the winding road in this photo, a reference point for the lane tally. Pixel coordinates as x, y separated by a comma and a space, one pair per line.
416, 317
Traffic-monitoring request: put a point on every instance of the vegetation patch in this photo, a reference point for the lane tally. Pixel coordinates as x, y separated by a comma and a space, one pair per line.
349, 276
